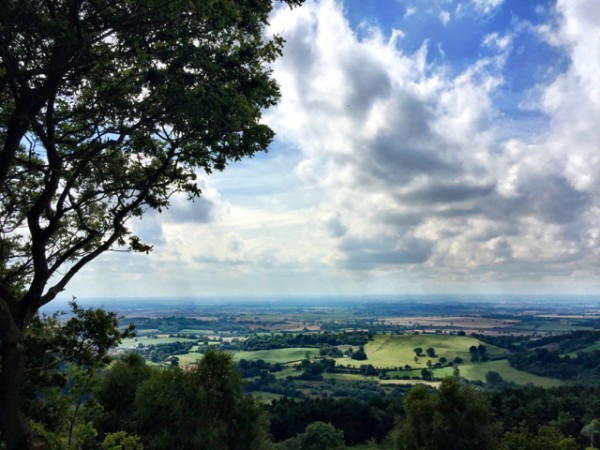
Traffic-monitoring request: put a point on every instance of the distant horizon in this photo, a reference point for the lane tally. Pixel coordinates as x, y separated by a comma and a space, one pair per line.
566, 302
273, 297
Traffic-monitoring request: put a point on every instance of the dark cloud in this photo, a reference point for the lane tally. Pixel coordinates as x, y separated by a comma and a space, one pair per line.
446, 193
149, 229
454, 212
551, 199
181, 210
502, 249
400, 218
409, 147
494, 230
370, 253
300, 51
367, 82
336, 227
398, 160
555, 200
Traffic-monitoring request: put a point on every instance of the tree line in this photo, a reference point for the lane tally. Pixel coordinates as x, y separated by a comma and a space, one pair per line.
286, 340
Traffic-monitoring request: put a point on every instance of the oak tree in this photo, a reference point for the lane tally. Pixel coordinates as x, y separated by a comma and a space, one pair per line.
108, 108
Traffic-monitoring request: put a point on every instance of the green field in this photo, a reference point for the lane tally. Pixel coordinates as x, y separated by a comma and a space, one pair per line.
391, 350
279, 355
283, 356
289, 371
384, 351
477, 371
189, 358
589, 348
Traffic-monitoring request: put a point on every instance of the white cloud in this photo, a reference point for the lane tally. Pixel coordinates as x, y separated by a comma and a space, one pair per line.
413, 163
494, 40
445, 17
410, 11
486, 6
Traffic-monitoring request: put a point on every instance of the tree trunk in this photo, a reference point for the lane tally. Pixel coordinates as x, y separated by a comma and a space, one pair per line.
14, 428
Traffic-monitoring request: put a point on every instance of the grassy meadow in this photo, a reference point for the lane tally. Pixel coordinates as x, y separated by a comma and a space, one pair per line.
280, 355
477, 371
189, 358
391, 350
589, 348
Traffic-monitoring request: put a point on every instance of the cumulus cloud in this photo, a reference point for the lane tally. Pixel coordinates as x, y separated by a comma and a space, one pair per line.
417, 163
399, 173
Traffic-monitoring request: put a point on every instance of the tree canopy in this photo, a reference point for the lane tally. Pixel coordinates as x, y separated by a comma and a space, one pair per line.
455, 413
107, 109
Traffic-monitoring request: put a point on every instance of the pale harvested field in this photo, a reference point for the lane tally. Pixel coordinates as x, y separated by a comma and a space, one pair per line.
290, 326
568, 316
451, 321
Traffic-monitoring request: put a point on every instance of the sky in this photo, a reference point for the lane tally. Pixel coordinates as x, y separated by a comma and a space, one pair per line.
423, 146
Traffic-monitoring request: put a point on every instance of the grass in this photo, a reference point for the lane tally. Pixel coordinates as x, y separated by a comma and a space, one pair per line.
287, 372
283, 356
390, 350
189, 358
477, 371
589, 348
279, 355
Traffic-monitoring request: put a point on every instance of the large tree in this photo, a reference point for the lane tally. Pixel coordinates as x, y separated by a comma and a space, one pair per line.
108, 108
454, 416
202, 408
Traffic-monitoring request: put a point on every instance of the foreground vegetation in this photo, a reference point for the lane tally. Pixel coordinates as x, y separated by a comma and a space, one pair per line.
342, 388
